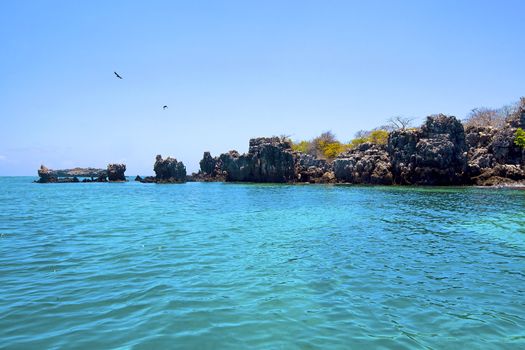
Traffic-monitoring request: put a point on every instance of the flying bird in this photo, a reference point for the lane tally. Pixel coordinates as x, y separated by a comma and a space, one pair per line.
118, 76
164, 107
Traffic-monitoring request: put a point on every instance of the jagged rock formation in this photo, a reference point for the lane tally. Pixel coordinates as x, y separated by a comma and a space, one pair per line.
479, 155
268, 160
208, 164
493, 157
366, 164
440, 152
309, 169
46, 175
115, 172
167, 170
432, 155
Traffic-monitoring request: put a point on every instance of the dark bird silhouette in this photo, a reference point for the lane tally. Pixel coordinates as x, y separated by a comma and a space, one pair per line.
164, 107
118, 76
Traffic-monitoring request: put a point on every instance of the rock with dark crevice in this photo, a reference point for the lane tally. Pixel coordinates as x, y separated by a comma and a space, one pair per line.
435, 154
208, 165
365, 164
268, 160
493, 157
310, 169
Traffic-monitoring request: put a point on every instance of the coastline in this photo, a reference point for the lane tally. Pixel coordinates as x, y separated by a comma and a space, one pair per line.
442, 152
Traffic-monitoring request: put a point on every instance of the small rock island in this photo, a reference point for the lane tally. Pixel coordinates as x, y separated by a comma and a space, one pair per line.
113, 173
167, 170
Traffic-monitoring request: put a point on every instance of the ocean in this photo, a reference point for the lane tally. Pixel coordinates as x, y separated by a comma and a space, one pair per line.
260, 266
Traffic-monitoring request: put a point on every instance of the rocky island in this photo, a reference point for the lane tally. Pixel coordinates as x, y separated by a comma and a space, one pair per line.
113, 173
167, 170
440, 152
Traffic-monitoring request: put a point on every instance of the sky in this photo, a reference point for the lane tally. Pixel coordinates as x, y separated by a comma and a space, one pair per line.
233, 70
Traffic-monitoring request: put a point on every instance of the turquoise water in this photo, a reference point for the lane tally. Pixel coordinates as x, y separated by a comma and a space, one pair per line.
245, 266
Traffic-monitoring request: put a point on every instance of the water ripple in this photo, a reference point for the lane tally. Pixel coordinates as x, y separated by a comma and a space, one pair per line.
239, 266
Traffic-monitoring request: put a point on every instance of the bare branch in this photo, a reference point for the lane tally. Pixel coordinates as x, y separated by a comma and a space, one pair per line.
398, 123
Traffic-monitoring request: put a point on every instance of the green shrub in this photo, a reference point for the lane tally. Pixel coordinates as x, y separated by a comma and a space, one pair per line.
331, 149
378, 137
358, 141
520, 138
326, 145
302, 146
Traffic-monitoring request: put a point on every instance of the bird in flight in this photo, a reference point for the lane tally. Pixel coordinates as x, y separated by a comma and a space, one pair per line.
118, 76
164, 107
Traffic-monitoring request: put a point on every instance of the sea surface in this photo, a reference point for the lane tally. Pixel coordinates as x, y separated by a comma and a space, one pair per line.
251, 266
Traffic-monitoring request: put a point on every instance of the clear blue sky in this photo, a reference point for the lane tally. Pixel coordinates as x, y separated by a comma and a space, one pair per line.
232, 70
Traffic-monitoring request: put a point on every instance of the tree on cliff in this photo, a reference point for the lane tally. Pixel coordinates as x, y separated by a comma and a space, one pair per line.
324, 146
398, 123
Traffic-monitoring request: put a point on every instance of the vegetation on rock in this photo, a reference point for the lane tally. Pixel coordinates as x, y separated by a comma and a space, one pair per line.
490, 117
520, 138
326, 146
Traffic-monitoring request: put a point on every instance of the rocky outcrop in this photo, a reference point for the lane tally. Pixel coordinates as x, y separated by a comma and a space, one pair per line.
479, 155
268, 160
432, 155
501, 174
308, 168
167, 170
208, 164
46, 175
493, 157
115, 172
78, 172
366, 164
